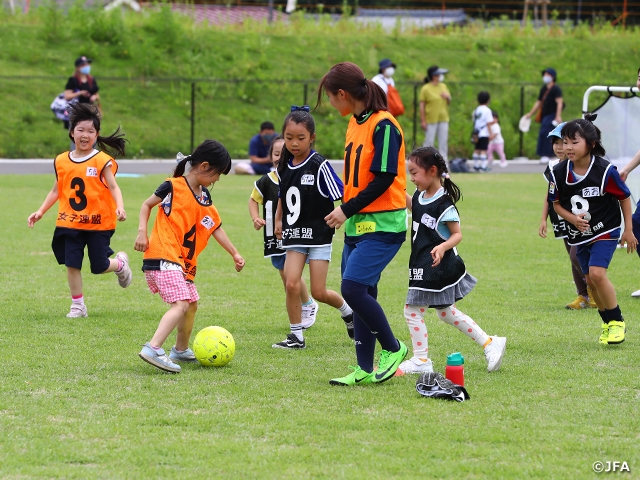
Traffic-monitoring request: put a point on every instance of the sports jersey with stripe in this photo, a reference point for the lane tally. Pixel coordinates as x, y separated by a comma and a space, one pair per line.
265, 192
84, 199
597, 194
183, 226
375, 144
427, 215
307, 193
558, 224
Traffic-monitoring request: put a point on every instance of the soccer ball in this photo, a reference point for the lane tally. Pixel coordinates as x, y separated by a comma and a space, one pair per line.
214, 346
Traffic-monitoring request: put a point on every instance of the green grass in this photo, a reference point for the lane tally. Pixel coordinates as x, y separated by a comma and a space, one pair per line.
155, 113
77, 402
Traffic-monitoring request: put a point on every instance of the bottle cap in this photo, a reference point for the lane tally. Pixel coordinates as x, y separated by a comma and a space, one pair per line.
455, 359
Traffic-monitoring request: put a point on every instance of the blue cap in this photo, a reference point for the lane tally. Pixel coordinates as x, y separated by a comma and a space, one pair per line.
386, 63
550, 71
556, 132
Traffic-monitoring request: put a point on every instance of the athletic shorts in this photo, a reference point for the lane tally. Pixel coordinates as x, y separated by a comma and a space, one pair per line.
596, 254
482, 143
314, 253
68, 247
364, 261
278, 261
171, 285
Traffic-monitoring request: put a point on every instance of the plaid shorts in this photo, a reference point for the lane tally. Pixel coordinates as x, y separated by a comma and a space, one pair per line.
171, 285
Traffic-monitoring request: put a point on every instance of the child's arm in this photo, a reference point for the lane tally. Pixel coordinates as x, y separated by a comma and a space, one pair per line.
627, 235
142, 241
221, 237
49, 201
278, 221
578, 220
107, 174
542, 231
254, 211
408, 198
492, 135
628, 168
456, 237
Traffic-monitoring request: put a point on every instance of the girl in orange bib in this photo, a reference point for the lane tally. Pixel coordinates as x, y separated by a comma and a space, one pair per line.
186, 220
89, 202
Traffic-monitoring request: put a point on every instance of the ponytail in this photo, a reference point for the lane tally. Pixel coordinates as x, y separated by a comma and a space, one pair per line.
585, 128
349, 77
427, 157
114, 144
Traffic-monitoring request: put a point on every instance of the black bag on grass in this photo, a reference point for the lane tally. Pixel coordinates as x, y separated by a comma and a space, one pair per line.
459, 165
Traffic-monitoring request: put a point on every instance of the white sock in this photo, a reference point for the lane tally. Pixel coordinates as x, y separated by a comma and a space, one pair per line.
79, 301
483, 161
296, 329
345, 310
414, 315
464, 323
476, 160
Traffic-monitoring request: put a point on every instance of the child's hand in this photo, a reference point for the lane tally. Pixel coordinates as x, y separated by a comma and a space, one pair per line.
237, 258
630, 240
121, 214
336, 218
142, 243
542, 231
33, 218
580, 223
258, 223
437, 253
277, 229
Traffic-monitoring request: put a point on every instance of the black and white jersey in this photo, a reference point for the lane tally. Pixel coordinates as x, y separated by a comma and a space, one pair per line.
591, 195
558, 224
425, 237
267, 187
307, 193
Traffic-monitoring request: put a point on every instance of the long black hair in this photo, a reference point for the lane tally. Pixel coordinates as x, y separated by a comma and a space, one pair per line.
427, 157
210, 151
114, 144
349, 77
297, 116
585, 128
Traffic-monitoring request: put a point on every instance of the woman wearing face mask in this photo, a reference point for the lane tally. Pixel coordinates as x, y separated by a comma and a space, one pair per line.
550, 115
82, 86
384, 78
434, 110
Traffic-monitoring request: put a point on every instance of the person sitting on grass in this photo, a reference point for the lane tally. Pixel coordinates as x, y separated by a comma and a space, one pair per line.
260, 163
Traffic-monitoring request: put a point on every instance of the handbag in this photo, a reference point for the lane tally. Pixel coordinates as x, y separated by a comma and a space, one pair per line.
396, 107
539, 114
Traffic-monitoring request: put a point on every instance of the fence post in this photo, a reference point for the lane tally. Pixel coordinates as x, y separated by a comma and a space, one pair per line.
193, 114
305, 94
521, 114
415, 114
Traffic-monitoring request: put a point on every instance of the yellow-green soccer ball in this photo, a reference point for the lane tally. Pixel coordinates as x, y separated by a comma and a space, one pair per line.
214, 347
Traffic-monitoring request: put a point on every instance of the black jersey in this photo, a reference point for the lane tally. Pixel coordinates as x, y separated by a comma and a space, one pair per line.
304, 206
588, 196
558, 224
425, 237
267, 186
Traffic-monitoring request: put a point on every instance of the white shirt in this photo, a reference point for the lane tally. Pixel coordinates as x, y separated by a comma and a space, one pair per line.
482, 116
383, 82
495, 129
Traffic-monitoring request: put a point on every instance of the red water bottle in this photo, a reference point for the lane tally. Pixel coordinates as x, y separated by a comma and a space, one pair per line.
454, 370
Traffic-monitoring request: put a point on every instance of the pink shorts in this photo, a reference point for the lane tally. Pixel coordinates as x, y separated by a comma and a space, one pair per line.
171, 285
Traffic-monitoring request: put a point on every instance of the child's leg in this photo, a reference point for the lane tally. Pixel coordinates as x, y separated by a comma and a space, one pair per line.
169, 321
318, 270
490, 150
483, 159
602, 288
185, 327
500, 149
476, 160
74, 277
576, 270
414, 315
464, 323
304, 293
293, 268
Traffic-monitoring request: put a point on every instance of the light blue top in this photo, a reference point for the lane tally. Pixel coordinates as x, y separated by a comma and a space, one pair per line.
450, 215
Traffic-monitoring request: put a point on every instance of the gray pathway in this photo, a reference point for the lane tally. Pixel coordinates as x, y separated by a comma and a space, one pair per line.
148, 167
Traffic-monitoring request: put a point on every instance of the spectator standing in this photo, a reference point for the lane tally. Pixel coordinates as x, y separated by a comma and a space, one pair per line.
549, 107
259, 145
482, 119
434, 109
384, 79
82, 88
496, 141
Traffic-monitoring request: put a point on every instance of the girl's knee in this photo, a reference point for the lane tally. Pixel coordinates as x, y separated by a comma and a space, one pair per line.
182, 306
597, 275
292, 286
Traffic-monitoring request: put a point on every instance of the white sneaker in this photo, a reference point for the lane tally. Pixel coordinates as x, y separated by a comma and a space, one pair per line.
124, 277
414, 365
309, 313
636, 294
77, 311
494, 353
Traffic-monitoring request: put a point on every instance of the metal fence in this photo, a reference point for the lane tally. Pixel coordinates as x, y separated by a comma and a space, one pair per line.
161, 116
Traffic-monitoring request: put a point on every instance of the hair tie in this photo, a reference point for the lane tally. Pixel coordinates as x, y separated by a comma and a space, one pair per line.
180, 157
445, 175
304, 108
364, 81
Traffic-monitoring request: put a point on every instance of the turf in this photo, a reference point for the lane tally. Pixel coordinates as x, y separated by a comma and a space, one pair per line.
77, 402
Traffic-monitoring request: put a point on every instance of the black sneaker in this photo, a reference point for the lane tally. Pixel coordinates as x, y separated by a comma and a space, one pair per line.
291, 342
348, 321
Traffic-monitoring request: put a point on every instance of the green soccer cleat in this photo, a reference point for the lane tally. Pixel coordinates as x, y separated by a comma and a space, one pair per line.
357, 377
604, 336
616, 332
389, 363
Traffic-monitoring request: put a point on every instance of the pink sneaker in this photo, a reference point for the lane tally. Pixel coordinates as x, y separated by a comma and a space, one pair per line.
77, 311
124, 275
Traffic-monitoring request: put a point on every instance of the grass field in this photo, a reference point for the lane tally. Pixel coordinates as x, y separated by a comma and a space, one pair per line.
77, 402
